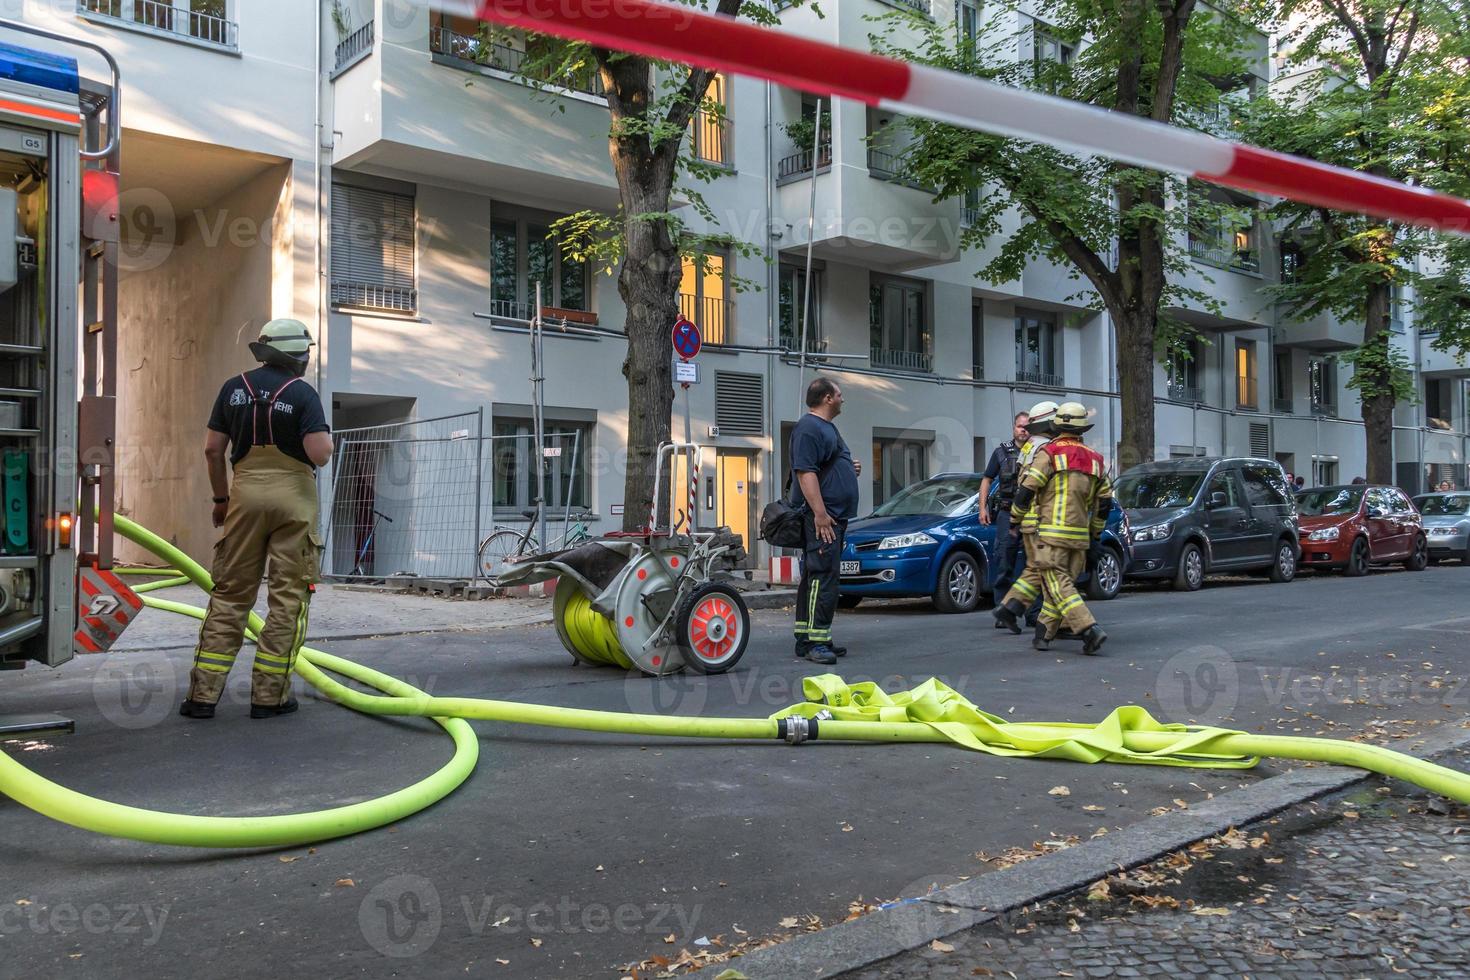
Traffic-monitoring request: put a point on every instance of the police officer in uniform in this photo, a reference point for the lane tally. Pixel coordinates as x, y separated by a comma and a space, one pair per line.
1000, 475
272, 423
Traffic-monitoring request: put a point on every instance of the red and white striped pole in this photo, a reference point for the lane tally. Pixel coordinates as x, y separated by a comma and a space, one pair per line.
683, 34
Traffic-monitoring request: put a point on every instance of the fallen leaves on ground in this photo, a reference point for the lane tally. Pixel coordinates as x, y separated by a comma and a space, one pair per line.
941, 947
1059, 791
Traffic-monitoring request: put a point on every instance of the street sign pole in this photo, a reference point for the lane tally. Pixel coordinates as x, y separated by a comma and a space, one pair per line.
687, 344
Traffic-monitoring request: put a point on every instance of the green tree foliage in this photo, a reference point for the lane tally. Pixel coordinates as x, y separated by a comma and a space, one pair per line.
1379, 86
1121, 230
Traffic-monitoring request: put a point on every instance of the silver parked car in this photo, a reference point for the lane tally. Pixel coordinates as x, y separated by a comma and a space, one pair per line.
1446, 524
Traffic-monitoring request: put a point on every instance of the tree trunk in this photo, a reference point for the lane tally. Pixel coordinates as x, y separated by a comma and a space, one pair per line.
649, 286
1135, 332
1374, 377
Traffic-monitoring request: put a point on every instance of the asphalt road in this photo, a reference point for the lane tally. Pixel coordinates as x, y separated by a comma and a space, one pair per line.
571, 855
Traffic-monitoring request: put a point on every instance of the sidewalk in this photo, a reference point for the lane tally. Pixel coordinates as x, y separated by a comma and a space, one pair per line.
345, 613
1373, 883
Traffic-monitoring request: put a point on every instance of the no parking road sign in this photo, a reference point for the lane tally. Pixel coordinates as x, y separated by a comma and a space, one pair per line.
687, 341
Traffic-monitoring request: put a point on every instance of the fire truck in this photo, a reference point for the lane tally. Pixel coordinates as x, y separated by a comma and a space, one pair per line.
59, 240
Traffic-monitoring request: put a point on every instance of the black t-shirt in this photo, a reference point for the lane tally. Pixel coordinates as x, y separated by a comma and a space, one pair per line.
1001, 471
817, 447
245, 419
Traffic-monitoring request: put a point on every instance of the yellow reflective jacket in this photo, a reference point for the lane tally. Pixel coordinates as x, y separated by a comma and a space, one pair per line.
1071, 494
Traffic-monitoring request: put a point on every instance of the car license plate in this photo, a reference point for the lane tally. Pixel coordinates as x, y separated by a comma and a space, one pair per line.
851, 568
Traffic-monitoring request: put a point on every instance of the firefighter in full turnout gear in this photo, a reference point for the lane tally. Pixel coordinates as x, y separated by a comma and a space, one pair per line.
272, 422
1039, 425
1062, 502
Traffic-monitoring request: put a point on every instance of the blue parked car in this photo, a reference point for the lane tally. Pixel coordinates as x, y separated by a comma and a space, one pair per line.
927, 540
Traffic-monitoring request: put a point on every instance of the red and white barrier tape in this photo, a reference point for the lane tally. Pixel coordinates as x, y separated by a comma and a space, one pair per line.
683, 34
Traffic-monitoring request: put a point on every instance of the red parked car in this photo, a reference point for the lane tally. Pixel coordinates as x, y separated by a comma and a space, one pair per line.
1349, 528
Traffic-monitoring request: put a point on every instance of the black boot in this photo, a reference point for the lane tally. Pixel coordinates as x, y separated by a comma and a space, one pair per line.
273, 710
1092, 639
1039, 641
196, 709
837, 650
1009, 614
820, 654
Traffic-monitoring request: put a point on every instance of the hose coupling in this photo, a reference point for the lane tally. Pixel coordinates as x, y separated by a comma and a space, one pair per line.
794, 729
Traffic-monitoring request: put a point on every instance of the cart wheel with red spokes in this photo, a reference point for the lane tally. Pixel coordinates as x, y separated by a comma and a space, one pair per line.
713, 628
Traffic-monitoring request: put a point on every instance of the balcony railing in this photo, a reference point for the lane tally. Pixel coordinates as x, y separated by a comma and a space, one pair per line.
1045, 379
1245, 392
798, 166
355, 46
709, 137
712, 314
375, 296
502, 57
977, 371
1186, 393
1283, 406
1227, 258
904, 360
890, 167
165, 18
1326, 409
970, 217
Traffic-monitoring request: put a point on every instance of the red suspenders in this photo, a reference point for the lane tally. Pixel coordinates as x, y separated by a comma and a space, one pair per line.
269, 410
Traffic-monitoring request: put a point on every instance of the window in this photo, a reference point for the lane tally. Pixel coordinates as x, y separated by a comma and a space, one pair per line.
1322, 383
1052, 49
1222, 483
1282, 400
521, 255
1182, 370
1398, 503
480, 45
1324, 471
896, 464
977, 339
898, 321
970, 210
1264, 487
708, 130
790, 302
1036, 348
702, 296
514, 465
1245, 374
1438, 404
205, 20
1291, 261
373, 249
969, 22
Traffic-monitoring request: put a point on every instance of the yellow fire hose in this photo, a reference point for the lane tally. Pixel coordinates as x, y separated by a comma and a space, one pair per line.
834, 710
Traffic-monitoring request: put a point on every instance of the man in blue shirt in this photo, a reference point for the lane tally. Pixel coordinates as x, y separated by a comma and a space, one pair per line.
997, 490
824, 476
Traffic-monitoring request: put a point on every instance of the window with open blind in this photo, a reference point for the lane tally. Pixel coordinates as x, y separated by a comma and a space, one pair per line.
372, 249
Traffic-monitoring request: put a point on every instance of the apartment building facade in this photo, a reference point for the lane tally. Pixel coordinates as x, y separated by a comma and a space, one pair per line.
383, 173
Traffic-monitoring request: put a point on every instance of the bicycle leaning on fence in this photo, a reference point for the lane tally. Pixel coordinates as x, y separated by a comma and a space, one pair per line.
507, 544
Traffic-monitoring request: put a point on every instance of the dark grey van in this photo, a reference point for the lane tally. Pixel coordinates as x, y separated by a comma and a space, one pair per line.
1198, 516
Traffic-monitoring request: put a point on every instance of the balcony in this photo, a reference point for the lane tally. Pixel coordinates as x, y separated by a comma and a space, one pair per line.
891, 168
1438, 363
1044, 379
354, 47
509, 309
917, 6
712, 314
903, 360
1215, 253
970, 217
1283, 406
164, 19
1186, 393
478, 52
374, 296
1323, 332
1324, 409
798, 166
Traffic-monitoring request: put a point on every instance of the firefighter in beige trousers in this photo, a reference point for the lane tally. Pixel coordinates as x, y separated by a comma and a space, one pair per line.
1062, 499
273, 424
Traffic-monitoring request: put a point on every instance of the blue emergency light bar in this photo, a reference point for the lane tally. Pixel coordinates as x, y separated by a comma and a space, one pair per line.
48, 71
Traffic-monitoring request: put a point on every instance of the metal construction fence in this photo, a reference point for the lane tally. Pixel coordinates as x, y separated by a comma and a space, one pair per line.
417, 498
